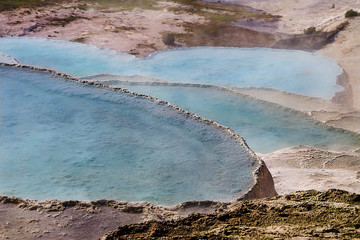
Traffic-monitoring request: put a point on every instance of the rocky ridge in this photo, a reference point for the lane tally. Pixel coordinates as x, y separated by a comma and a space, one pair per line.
309, 214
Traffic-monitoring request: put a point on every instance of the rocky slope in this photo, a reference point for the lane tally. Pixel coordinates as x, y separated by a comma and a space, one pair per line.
333, 214
311, 214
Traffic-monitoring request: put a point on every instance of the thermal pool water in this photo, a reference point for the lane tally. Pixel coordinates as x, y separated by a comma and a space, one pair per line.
67, 140
266, 127
292, 71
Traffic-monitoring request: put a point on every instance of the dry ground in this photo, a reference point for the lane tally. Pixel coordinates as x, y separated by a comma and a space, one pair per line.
305, 215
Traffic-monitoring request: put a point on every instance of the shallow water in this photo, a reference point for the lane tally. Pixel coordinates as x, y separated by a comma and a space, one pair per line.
66, 140
266, 127
293, 71
93, 142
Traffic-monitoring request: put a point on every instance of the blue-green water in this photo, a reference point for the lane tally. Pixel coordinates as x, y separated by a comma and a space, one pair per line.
66, 140
266, 127
293, 71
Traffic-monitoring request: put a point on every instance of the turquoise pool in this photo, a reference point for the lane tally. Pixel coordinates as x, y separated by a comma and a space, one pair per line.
66, 140
292, 71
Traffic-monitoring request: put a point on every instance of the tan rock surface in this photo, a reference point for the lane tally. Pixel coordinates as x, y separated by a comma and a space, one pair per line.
298, 15
333, 214
137, 31
302, 168
346, 51
67, 220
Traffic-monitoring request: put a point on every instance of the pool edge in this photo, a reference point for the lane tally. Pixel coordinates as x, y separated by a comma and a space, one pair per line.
263, 182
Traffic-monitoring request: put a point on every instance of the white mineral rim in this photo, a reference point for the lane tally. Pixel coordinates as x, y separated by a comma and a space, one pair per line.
4, 58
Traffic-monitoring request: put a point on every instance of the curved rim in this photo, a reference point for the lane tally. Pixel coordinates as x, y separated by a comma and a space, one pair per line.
257, 171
